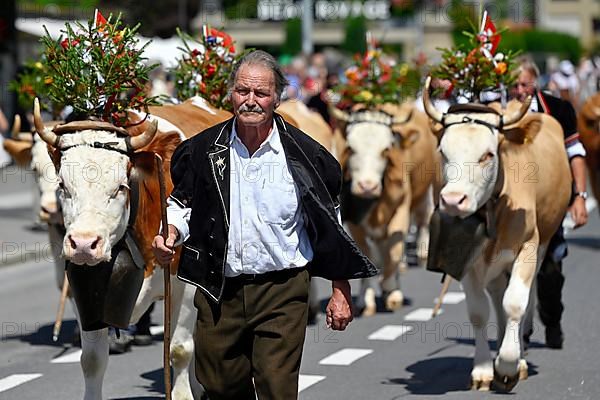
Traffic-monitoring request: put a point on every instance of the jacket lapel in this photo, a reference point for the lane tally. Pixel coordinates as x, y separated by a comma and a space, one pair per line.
218, 156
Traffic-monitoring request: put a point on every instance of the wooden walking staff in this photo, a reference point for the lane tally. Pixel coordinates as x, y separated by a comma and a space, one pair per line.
167, 281
61, 309
438, 304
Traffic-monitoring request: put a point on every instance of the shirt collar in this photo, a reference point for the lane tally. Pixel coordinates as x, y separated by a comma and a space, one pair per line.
273, 140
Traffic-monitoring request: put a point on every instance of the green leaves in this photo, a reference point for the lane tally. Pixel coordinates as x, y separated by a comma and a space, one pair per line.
98, 70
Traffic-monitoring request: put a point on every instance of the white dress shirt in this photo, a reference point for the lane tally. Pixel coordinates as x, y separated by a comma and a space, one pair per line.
267, 230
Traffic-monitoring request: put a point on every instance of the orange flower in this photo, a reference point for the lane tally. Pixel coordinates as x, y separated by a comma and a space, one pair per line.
500, 68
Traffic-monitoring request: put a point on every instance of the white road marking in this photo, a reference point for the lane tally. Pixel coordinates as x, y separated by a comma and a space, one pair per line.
73, 357
452, 298
16, 200
421, 314
390, 332
306, 381
345, 356
15, 380
157, 330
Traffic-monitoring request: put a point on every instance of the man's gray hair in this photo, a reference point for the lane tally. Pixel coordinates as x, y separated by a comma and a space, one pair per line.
529, 66
262, 58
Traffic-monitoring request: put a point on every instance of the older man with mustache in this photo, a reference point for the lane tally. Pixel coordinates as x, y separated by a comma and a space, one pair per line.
256, 208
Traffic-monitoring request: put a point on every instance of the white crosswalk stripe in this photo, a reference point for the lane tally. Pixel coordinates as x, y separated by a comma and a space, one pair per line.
390, 332
345, 356
73, 357
306, 381
15, 380
421, 315
452, 298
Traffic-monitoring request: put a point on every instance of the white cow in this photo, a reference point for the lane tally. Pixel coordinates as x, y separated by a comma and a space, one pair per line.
95, 168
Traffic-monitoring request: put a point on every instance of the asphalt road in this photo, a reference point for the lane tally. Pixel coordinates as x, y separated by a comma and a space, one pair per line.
389, 356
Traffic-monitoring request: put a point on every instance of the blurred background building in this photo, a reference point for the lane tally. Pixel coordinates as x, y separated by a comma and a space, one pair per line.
407, 28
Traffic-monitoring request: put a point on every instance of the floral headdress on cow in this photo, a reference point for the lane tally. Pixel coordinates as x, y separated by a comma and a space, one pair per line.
205, 66
476, 67
98, 70
375, 79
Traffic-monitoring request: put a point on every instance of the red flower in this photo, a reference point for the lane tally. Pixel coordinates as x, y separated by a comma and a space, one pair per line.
210, 70
66, 44
195, 53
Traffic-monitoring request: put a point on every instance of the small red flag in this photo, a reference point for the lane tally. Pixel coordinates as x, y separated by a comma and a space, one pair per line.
99, 19
488, 34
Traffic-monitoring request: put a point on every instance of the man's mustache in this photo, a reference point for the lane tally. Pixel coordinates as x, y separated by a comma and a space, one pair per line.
254, 109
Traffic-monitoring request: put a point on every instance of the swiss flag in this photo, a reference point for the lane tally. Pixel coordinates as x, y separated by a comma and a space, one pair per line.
487, 35
99, 19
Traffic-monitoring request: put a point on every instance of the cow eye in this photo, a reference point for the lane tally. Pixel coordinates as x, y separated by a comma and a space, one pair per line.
122, 188
486, 157
63, 188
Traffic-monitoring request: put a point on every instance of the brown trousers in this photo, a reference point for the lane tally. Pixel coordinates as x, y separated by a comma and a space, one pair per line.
256, 332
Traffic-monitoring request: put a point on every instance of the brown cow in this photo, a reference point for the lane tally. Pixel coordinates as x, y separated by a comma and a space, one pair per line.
508, 172
588, 120
388, 158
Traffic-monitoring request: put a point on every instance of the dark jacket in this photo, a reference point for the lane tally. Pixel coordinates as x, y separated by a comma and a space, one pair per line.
200, 169
561, 110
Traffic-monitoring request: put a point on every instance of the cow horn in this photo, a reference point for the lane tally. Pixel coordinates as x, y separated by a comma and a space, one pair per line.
597, 112
519, 114
137, 142
16, 129
398, 121
430, 109
47, 135
338, 114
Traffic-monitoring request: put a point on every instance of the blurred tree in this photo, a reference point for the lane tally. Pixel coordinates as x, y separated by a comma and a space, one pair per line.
240, 9
158, 18
293, 36
355, 39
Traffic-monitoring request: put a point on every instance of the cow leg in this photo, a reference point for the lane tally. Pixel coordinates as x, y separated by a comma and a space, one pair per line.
366, 298
478, 308
509, 363
152, 289
182, 342
422, 214
394, 257
496, 289
94, 359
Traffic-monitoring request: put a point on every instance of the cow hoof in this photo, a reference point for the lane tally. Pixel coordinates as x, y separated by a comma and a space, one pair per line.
394, 300
523, 370
483, 385
121, 344
505, 383
369, 311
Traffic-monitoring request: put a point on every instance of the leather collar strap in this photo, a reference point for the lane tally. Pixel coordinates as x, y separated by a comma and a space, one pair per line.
468, 120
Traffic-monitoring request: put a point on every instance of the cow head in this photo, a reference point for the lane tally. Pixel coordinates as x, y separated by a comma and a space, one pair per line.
469, 143
30, 151
95, 163
589, 119
372, 136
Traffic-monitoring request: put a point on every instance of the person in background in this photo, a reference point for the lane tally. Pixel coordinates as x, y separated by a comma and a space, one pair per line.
550, 279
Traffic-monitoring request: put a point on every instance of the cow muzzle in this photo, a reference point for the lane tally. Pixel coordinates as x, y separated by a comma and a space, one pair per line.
455, 204
85, 248
367, 189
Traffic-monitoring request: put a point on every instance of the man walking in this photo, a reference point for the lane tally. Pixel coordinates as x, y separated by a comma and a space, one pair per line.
255, 205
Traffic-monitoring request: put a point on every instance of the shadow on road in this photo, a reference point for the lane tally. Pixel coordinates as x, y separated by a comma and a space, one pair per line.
43, 335
591, 242
436, 376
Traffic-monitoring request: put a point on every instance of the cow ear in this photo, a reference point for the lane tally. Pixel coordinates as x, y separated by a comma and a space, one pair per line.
19, 150
526, 130
408, 139
144, 162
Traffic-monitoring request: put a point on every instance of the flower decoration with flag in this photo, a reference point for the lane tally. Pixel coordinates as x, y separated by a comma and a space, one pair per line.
375, 78
477, 66
205, 66
98, 69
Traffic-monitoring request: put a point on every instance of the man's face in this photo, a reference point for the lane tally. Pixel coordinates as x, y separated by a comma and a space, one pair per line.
525, 85
253, 97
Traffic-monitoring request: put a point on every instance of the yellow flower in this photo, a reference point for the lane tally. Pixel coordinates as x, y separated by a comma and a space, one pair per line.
404, 70
48, 80
39, 65
366, 95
